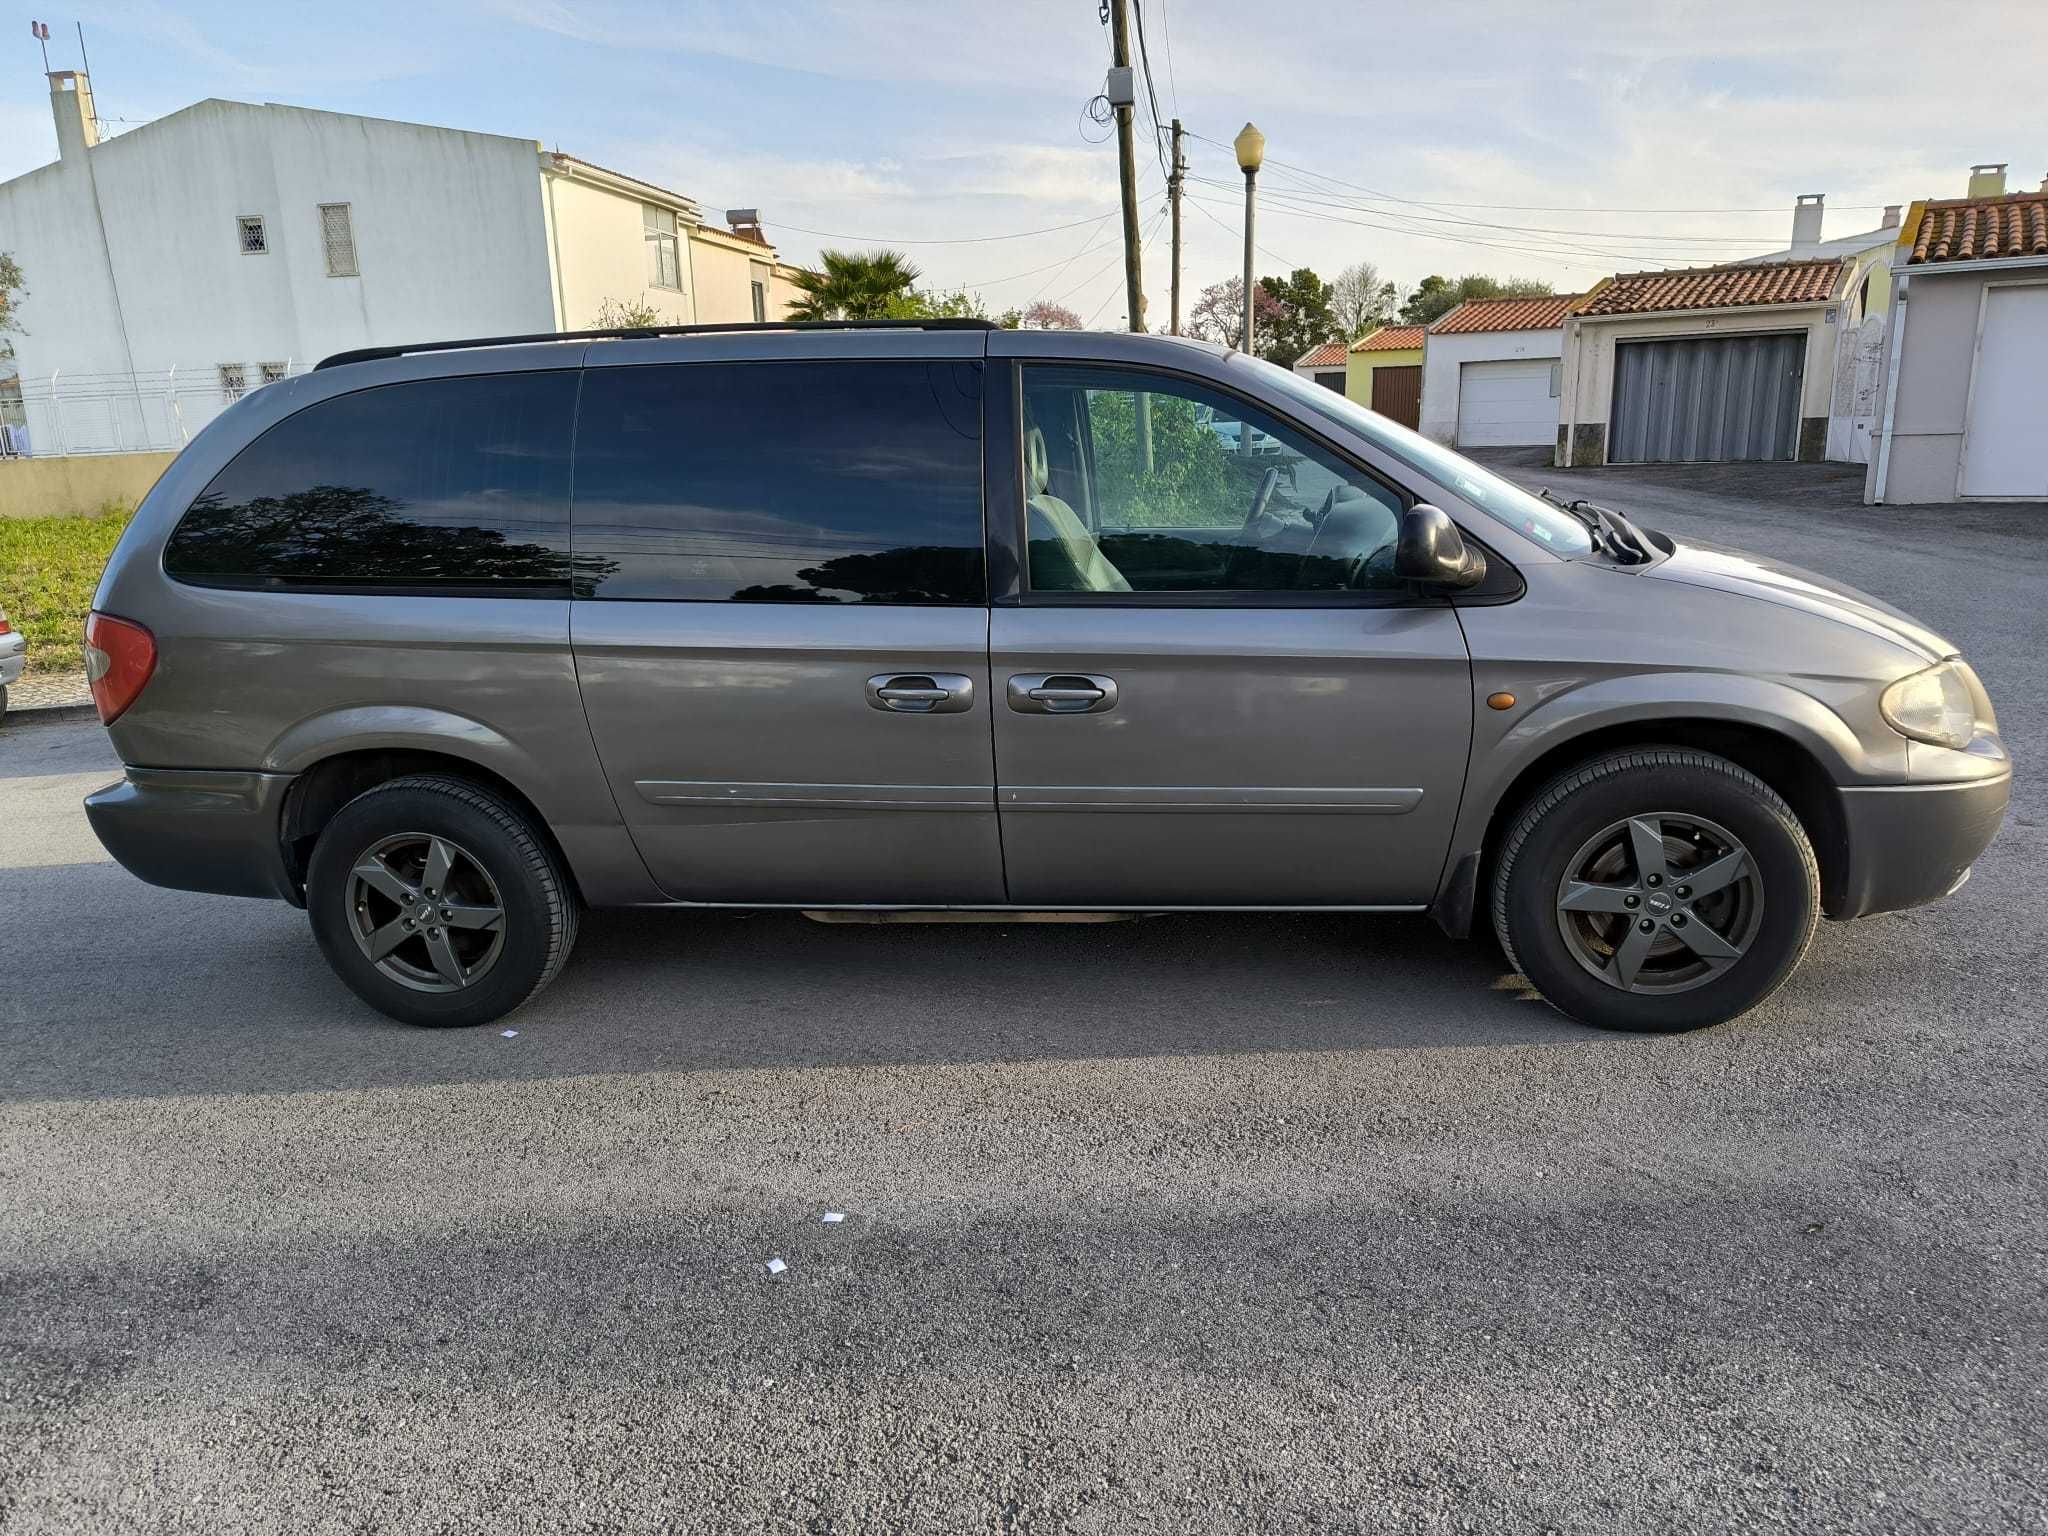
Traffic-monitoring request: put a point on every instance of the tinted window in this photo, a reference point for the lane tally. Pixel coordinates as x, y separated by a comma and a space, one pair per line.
846, 482
443, 484
1136, 482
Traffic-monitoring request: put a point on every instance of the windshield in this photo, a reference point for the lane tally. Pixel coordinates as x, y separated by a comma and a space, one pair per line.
1553, 528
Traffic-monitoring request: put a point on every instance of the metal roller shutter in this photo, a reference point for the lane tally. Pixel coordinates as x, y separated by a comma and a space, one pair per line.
1708, 398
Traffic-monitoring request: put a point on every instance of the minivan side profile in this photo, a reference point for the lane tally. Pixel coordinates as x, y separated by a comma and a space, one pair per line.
448, 643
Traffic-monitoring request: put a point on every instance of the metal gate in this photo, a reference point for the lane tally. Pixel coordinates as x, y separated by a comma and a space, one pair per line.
1707, 398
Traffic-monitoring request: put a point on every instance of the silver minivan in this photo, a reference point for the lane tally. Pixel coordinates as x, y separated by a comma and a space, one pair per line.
445, 643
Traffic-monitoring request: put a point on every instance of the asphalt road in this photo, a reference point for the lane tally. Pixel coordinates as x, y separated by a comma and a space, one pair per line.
1185, 1225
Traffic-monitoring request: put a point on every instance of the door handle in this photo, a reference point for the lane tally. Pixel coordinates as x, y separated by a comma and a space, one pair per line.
921, 693
1061, 693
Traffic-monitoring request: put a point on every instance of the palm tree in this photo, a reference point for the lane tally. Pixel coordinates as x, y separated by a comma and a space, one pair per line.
854, 285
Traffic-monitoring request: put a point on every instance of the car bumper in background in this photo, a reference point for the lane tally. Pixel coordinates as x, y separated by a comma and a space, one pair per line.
196, 830
13, 656
1909, 844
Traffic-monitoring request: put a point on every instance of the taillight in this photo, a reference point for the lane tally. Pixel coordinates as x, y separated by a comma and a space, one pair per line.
119, 656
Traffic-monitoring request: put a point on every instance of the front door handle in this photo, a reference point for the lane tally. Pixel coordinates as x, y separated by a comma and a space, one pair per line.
921, 693
1061, 693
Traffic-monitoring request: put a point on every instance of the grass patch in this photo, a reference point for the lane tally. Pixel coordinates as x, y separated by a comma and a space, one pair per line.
49, 567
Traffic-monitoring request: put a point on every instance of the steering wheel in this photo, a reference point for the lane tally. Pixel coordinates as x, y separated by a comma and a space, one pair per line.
1267, 481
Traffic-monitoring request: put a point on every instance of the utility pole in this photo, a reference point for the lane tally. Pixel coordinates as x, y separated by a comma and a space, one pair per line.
1173, 197
1123, 97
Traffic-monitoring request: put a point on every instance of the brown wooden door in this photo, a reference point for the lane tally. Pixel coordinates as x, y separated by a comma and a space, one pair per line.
1397, 392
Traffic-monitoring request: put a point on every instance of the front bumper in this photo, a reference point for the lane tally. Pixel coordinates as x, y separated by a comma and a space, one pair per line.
197, 830
13, 657
1909, 844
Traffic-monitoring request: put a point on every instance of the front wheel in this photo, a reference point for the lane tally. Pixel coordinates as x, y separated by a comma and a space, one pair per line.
1658, 889
438, 904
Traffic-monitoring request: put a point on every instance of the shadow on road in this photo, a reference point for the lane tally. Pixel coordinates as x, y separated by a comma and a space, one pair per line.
219, 995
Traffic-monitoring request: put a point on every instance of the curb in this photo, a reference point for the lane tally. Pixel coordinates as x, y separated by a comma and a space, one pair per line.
46, 714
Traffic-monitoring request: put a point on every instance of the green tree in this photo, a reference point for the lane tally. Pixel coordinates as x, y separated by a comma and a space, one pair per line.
857, 285
11, 293
1194, 481
1304, 317
931, 304
1436, 296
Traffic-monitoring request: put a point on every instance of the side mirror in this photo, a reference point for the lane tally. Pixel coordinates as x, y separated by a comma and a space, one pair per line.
1431, 552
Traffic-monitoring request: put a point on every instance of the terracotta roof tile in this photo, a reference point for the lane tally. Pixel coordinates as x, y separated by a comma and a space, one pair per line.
1982, 228
1329, 355
1390, 338
1541, 312
1736, 287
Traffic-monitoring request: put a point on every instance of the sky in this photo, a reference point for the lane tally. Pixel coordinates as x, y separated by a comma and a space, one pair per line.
1554, 139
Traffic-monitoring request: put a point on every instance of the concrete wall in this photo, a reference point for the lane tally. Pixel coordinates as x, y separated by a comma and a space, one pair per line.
77, 486
599, 243
448, 234
1443, 356
1936, 357
726, 268
1587, 394
1359, 368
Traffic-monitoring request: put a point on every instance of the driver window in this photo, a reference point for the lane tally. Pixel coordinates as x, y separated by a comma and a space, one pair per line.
1139, 483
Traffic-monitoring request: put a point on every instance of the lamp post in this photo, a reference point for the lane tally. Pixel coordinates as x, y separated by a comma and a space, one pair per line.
1250, 145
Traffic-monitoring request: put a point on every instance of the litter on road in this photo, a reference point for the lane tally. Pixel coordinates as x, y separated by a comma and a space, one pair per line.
834, 1216
776, 1266
509, 1033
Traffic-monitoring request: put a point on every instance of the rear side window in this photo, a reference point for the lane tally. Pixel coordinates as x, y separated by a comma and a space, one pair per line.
457, 486
798, 482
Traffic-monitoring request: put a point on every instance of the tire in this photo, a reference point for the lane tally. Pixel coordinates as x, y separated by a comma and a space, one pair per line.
1591, 842
365, 890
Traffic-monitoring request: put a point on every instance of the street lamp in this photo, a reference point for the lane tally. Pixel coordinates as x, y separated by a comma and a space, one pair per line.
1250, 145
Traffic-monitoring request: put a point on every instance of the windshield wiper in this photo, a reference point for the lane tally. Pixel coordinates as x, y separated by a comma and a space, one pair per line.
1612, 532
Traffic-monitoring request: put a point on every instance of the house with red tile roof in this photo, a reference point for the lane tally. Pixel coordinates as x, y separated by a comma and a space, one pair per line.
1383, 370
1962, 410
1768, 358
1492, 372
1325, 364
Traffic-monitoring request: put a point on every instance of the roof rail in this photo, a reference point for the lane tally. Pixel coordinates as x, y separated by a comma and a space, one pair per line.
649, 332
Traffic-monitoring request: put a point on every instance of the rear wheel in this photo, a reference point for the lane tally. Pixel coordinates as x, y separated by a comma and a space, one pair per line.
1656, 890
438, 904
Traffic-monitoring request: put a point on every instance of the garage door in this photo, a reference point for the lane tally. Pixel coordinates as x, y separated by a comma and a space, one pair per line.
1507, 404
2005, 451
1397, 393
1706, 399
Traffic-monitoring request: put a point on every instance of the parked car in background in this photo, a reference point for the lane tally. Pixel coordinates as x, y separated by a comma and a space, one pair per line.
13, 657
447, 643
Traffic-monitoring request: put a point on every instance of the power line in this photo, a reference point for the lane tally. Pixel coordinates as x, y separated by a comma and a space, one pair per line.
1561, 254
1022, 234
1365, 205
1166, 37
1143, 242
1151, 93
1238, 233
1093, 236
1521, 207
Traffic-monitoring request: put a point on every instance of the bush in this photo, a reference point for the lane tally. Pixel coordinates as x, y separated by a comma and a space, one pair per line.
49, 567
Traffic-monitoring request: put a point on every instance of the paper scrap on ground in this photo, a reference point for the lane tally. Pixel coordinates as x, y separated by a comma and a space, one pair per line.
509, 1033
831, 1216
776, 1266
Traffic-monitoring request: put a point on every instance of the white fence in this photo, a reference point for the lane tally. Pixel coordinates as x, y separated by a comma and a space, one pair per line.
68, 413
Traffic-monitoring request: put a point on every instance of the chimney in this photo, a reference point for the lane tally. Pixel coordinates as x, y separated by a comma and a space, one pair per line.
1987, 180
1891, 216
71, 105
1806, 217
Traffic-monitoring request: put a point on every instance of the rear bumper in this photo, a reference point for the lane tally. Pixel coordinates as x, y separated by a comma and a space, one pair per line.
1909, 844
13, 657
196, 830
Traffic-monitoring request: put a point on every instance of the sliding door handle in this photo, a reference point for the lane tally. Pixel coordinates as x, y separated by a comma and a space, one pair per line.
1061, 693
921, 693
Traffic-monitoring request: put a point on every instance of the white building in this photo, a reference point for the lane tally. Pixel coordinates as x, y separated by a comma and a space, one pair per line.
1492, 371
174, 267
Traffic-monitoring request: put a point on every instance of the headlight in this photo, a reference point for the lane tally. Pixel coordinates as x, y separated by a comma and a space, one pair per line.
1933, 706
